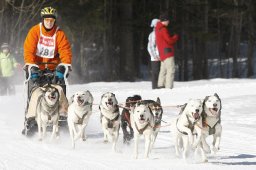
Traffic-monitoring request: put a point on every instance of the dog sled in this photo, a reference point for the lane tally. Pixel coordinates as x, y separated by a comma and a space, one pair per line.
36, 79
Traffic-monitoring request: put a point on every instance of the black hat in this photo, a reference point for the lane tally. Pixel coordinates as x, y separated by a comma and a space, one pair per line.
164, 17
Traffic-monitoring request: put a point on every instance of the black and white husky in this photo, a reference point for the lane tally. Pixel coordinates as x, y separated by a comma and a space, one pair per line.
110, 118
211, 118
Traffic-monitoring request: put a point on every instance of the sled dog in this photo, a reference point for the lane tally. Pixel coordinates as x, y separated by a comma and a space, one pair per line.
110, 118
142, 121
157, 111
188, 126
79, 112
125, 118
211, 118
48, 111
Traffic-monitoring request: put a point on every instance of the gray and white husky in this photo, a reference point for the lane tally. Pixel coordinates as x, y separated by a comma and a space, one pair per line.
110, 118
48, 111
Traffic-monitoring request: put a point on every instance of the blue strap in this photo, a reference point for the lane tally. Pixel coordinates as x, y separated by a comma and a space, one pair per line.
34, 76
59, 75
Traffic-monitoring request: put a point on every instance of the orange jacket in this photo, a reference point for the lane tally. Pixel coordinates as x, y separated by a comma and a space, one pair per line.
62, 48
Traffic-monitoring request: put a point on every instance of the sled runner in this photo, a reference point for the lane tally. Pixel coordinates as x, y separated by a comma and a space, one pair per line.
36, 79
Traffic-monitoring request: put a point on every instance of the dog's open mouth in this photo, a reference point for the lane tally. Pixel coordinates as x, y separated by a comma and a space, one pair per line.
141, 120
51, 97
196, 115
80, 101
214, 111
109, 104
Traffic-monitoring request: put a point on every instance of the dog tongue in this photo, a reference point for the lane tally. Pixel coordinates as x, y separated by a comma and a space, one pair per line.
196, 115
215, 109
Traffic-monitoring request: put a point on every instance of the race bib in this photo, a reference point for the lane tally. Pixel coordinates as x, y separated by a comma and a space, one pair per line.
46, 45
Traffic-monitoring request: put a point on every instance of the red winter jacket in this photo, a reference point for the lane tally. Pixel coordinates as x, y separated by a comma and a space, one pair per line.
164, 42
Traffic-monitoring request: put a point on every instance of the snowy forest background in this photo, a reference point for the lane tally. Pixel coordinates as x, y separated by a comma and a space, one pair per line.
109, 37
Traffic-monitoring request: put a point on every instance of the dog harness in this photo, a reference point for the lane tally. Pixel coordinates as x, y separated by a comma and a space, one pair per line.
81, 119
191, 126
212, 130
53, 109
141, 130
111, 121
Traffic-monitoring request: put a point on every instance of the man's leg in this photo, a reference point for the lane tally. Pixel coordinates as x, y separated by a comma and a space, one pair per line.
155, 68
170, 72
162, 74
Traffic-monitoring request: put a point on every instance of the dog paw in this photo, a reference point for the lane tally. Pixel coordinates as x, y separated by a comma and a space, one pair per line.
214, 149
194, 146
207, 150
135, 157
205, 160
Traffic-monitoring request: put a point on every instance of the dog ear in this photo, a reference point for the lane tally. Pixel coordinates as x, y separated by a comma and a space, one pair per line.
102, 95
137, 104
205, 99
158, 100
152, 121
216, 95
90, 96
72, 99
43, 89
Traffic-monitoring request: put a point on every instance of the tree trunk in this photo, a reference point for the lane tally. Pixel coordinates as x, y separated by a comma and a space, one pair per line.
126, 45
251, 37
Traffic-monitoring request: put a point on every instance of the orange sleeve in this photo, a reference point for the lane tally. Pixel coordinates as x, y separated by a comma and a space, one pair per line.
30, 45
64, 48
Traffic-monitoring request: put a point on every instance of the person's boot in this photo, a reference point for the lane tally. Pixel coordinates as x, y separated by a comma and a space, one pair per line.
30, 127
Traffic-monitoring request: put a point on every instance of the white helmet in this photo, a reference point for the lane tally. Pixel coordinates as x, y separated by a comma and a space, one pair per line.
153, 22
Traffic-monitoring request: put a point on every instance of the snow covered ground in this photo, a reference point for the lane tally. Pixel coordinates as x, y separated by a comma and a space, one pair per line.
238, 146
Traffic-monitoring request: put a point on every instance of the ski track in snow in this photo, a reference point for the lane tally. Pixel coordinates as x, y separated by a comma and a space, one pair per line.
238, 149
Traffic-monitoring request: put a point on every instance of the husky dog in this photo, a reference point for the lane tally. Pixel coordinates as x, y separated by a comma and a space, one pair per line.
48, 111
79, 112
188, 124
110, 118
142, 121
157, 111
125, 117
212, 122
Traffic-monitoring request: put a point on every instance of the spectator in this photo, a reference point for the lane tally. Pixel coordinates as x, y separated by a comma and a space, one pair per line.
7, 67
165, 44
154, 55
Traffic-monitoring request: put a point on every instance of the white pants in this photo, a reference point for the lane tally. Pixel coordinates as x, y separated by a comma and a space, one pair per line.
167, 72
